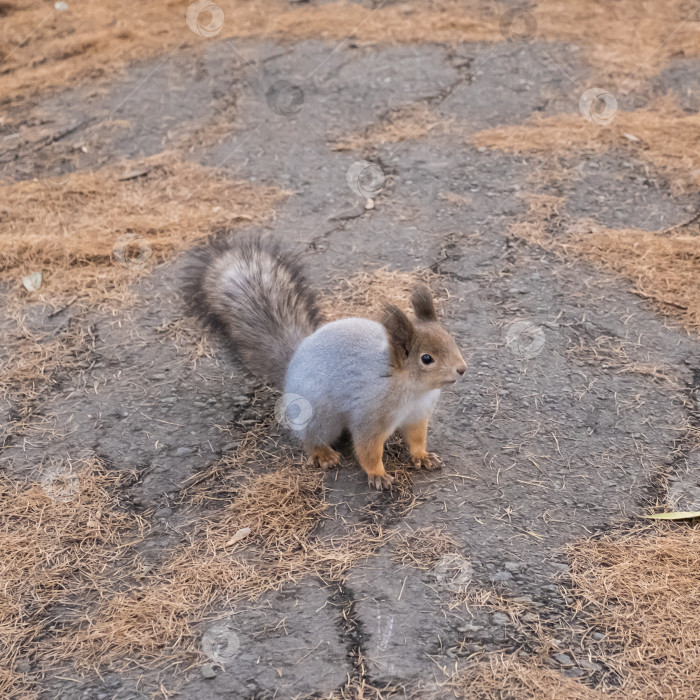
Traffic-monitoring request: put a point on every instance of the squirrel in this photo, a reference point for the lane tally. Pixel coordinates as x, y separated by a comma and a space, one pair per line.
354, 374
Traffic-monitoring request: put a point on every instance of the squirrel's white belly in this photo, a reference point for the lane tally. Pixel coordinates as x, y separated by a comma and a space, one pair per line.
416, 408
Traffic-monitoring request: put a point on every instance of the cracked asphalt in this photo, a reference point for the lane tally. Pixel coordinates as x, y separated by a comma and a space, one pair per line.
539, 451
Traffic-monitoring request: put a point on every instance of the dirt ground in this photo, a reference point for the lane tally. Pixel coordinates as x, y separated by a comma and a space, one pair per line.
578, 414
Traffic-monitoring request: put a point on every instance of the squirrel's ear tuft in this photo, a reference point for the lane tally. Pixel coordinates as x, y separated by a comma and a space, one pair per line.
401, 333
422, 301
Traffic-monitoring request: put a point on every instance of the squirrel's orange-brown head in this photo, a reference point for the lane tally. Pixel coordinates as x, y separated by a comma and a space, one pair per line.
422, 348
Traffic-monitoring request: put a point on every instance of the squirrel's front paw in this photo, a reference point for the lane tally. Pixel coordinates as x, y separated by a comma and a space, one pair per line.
380, 482
426, 460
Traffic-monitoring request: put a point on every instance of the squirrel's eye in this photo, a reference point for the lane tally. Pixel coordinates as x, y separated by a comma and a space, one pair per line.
427, 359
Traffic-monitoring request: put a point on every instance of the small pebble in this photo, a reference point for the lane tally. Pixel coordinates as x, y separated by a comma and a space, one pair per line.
240, 535
468, 628
183, 451
563, 659
32, 282
208, 671
501, 577
500, 619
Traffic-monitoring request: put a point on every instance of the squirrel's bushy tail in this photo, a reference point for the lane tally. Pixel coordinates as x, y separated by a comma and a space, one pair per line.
256, 292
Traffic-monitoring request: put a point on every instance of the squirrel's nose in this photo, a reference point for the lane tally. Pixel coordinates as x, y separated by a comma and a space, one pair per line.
461, 370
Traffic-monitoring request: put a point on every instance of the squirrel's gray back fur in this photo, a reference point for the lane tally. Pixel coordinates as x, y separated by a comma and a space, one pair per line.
342, 374
256, 293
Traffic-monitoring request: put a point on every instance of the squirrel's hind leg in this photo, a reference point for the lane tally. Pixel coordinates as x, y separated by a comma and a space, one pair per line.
322, 456
321, 432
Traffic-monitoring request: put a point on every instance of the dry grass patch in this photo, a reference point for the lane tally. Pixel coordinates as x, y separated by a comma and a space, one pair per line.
612, 353
365, 293
423, 548
662, 135
41, 47
152, 622
75, 234
44, 48
61, 547
187, 337
626, 38
280, 508
56, 554
665, 270
408, 22
91, 239
501, 678
414, 121
663, 266
31, 361
642, 589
